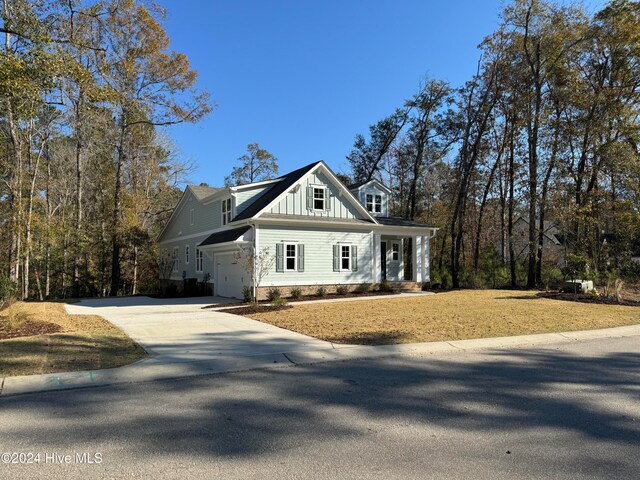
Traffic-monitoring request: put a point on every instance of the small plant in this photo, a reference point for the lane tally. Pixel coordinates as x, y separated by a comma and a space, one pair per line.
274, 294
296, 292
16, 320
321, 291
280, 302
342, 289
247, 293
363, 288
385, 286
8, 291
595, 294
618, 289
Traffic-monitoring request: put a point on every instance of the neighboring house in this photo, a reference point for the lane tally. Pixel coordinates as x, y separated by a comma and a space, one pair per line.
552, 241
319, 231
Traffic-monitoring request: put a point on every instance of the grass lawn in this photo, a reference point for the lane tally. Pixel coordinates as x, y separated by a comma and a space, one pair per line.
452, 315
80, 342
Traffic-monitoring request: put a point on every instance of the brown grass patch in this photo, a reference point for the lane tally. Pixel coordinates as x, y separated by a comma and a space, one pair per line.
82, 342
452, 315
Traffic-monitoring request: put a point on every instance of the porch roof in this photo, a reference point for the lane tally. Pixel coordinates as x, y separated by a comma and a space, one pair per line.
401, 222
224, 236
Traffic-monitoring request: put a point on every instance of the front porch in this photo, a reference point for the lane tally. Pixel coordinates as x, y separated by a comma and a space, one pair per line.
401, 259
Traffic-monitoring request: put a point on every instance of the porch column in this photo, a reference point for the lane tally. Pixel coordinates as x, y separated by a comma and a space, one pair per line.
377, 268
426, 267
417, 255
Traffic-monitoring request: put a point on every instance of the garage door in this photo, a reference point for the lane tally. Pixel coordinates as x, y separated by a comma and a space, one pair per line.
230, 277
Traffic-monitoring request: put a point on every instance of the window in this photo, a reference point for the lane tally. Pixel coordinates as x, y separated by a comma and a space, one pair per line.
176, 260
191, 216
395, 252
199, 258
374, 203
345, 257
226, 211
186, 255
319, 198
290, 257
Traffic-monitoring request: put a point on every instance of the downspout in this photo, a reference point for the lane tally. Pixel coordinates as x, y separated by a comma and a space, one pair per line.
254, 286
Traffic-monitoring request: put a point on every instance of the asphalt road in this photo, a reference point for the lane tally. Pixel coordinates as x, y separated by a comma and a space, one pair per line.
567, 411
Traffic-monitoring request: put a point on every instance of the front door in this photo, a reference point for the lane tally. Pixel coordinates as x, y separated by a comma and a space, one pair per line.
383, 260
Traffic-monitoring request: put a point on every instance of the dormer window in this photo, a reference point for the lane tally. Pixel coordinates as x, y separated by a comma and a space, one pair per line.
374, 203
226, 211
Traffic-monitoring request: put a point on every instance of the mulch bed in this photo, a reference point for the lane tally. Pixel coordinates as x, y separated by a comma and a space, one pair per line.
587, 298
328, 296
256, 309
28, 328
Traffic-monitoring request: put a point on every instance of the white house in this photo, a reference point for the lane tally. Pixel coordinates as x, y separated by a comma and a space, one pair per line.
318, 230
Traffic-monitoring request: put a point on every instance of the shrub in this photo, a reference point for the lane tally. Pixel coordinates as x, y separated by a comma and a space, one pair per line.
551, 278
578, 267
445, 279
342, 289
321, 291
274, 294
385, 287
280, 302
247, 293
363, 288
8, 291
296, 292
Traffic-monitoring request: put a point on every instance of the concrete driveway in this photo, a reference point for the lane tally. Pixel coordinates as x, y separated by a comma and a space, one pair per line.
179, 330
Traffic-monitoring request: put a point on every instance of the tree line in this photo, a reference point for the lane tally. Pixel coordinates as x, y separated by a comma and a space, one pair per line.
88, 176
545, 132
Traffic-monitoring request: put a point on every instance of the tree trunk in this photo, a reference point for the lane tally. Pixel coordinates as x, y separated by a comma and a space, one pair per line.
115, 237
485, 194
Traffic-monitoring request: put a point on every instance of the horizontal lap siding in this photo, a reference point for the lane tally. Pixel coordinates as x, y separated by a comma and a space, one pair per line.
318, 259
206, 217
296, 203
207, 263
245, 198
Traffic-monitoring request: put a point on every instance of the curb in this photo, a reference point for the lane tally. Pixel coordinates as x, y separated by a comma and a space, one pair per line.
146, 370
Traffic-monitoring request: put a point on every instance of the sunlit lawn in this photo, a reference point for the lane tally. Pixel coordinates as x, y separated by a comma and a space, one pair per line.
452, 315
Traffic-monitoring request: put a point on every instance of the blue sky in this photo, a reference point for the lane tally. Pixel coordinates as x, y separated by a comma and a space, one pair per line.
302, 78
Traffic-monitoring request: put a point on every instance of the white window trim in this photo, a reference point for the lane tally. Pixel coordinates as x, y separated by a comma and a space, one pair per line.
342, 269
325, 198
295, 257
226, 215
175, 257
397, 260
371, 206
187, 253
199, 260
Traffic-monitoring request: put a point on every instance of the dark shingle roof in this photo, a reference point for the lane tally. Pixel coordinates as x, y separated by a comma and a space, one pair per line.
353, 186
400, 222
224, 236
274, 192
310, 219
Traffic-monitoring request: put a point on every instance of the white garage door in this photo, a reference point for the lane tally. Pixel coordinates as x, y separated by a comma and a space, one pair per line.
230, 277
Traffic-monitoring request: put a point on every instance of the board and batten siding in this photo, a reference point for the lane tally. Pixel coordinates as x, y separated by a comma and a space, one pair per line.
205, 218
166, 248
295, 203
244, 198
318, 259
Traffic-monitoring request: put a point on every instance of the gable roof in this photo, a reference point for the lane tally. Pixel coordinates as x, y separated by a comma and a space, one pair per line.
203, 191
224, 236
355, 186
286, 182
275, 193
